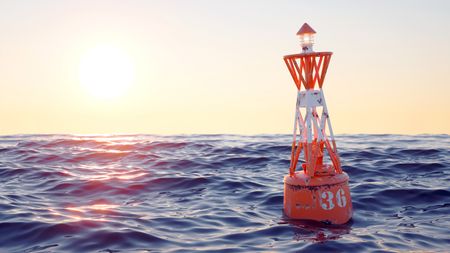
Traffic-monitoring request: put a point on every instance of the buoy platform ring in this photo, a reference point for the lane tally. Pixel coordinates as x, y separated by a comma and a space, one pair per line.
325, 198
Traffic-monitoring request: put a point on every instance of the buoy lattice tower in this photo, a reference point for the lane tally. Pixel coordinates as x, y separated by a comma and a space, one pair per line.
318, 191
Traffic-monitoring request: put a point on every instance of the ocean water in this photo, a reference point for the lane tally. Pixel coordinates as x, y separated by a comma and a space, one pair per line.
214, 193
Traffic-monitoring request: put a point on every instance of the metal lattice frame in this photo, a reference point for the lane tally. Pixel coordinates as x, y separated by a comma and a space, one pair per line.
308, 70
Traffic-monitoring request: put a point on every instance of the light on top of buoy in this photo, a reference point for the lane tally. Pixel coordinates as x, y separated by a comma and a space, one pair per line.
306, 35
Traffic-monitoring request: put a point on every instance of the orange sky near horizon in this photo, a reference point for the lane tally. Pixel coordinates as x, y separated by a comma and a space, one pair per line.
217, 66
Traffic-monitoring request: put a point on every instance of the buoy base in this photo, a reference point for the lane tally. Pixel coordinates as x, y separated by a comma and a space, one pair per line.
320, 198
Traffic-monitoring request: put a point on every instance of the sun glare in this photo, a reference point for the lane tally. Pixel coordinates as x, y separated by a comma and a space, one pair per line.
106, 71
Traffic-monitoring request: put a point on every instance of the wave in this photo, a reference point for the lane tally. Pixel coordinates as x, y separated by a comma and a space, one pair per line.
214, 193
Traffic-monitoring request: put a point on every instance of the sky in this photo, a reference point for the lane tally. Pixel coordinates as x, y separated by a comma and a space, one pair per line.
212, 67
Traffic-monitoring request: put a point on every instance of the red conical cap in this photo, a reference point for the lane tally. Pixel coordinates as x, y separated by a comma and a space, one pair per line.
305, 29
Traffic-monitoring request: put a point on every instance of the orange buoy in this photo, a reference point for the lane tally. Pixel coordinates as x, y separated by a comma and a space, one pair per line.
319, 191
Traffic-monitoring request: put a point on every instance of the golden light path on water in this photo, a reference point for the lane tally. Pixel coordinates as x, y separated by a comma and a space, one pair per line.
95, 212
95, 174
108, 174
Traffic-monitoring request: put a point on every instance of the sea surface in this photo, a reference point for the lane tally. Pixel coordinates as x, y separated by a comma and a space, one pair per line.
214, 193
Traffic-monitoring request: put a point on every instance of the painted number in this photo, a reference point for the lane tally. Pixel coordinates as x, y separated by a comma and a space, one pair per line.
328, 197
340, 198
327, 202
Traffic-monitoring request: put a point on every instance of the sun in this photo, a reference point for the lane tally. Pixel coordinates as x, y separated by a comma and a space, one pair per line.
106, 71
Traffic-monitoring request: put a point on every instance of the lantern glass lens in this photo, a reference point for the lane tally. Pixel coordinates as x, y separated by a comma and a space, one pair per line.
307, 39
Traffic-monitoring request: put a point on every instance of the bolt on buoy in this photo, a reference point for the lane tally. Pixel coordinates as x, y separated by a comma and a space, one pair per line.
318, 191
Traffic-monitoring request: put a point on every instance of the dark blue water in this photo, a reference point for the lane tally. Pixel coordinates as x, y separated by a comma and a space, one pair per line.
214, 193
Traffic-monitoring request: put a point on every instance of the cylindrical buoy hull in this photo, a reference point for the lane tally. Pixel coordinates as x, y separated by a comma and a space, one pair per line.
322, 198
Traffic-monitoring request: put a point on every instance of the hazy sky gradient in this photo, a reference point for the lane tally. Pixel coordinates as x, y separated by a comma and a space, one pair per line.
217, 66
